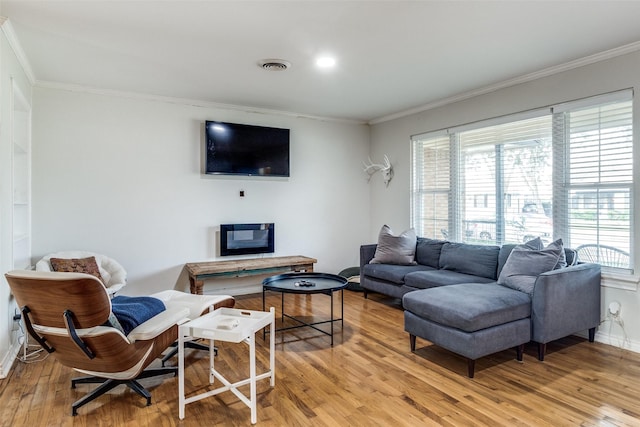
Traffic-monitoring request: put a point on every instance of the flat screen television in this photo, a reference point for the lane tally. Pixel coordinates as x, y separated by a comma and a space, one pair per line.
238, 149
245, 239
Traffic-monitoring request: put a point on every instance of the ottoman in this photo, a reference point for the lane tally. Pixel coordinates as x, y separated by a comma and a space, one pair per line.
197, 305
470, 319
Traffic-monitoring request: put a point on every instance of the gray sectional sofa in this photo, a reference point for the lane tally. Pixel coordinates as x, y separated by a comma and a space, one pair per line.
454, 296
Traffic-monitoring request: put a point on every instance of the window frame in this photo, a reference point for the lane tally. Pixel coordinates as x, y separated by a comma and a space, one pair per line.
561, 178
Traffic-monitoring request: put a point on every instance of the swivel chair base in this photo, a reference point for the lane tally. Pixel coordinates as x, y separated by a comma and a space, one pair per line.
109, 384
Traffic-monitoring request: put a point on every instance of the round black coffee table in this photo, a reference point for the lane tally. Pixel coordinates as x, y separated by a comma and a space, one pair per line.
307, 283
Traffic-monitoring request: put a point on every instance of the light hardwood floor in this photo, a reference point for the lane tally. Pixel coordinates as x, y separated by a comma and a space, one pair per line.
368, 378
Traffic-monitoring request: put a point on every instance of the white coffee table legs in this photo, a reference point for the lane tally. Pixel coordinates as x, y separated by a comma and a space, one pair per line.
184, 334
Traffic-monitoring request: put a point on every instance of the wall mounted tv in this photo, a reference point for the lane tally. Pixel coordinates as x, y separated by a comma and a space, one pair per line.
238, 149
245, 239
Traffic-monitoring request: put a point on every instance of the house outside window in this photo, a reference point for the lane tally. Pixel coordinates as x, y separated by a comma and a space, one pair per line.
562, 172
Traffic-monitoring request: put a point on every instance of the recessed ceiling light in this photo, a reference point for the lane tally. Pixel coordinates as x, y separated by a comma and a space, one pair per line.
325, 62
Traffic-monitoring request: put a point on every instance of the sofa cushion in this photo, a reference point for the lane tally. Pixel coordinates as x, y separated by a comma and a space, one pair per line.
469, 306
393, 249
392, 273
477, 260
524, 266
433, 278
428, 251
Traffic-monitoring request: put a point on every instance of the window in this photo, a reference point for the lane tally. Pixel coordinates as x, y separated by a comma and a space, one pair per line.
598, 183
431, 182
564, 172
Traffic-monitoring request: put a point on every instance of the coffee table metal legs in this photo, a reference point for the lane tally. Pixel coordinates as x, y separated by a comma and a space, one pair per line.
302, 322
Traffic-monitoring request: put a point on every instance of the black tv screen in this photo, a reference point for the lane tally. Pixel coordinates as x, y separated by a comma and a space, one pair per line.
244, 239
238, 149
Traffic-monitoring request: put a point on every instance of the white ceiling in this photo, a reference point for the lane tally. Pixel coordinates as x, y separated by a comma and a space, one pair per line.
392, 56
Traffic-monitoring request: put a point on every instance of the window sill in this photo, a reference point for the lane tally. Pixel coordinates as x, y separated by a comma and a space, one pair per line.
620, 281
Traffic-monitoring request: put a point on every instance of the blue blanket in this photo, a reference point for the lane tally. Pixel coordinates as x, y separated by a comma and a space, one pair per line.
132, 311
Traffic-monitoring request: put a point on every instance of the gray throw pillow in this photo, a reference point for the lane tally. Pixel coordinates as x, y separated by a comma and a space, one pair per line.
562, 260
525, 265
399, 250
535, 244
505, 250
571, 256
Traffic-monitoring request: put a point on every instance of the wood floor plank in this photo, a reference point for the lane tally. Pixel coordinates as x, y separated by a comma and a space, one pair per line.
368, 378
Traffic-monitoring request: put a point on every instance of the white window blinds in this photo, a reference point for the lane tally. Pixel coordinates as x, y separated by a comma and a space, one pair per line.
565, 172
505, 182
598, 183
431, 185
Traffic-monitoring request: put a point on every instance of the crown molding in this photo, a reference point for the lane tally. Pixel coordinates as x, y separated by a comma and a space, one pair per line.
587, 60
7, 29
12, 38
188, 102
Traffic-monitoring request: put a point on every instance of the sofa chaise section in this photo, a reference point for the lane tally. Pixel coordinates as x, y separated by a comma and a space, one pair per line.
470, 319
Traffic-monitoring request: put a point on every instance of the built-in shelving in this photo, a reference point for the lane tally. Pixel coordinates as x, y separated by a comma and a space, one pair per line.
21, 178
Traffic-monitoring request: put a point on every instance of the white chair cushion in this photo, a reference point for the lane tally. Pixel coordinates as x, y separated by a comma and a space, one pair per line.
113, 274
159, 323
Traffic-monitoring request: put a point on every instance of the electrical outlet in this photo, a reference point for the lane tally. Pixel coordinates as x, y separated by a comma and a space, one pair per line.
16, 320
614, 309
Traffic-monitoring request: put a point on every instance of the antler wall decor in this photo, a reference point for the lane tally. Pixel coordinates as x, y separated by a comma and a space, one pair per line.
385, 169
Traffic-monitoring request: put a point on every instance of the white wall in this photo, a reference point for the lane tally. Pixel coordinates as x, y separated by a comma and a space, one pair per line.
122, 176
392, 205
9, 69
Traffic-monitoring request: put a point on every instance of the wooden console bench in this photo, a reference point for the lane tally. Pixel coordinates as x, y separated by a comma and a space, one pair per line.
199, 271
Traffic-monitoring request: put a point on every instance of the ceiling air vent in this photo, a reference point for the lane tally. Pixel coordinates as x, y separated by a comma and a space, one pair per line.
274, 64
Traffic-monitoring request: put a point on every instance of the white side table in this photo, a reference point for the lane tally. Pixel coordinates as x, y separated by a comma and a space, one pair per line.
245, 324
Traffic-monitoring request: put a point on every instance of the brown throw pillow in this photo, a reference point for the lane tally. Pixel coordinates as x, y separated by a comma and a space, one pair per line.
77, 265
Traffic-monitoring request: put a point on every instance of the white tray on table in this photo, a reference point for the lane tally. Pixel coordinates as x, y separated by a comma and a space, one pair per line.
248, 322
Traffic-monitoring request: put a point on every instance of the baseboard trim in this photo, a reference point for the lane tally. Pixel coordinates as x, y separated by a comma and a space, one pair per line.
9, 359
619, 341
